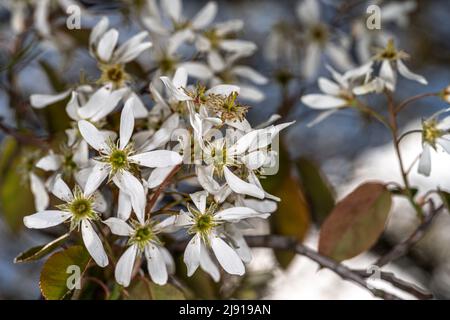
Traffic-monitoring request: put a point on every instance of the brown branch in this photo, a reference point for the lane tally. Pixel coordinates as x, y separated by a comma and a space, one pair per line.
24, 138
162, 186
403, 247
287, 243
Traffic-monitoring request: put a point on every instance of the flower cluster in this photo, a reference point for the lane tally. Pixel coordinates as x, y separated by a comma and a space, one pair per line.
122, 165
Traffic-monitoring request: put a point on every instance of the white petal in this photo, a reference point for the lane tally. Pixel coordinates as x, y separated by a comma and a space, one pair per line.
206, 180
425, 161
197, 70
237, 45
404, 71
180, 78
93, 136
118, 227
133, 187
99, 29
172, 8
96, 102
126, 123
93, 244
61, 190
174, 91
205, 16
239, 213
444, 143
254, 160
139, 109
100, 204
215, 61
308, 11
242, 187
125, 265
223, 28
329, 87
321, 101
312, 60
46, 219
107, 44
132, 48
168, 259
223, 89
42, 100
157, 158
158, 176
159, 138
98, 174
192, 255
155, 264
227, 256
108, 104
207, 264
51, 162
199, 199
250, 74
269, 206
178, 39
41, 198
124, 206
388, 75
251, 93
240, 245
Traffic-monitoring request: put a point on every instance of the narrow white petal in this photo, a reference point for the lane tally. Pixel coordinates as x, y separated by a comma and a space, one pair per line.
109, 104
404, 71
321, 101
96, 102
215, 61
155, 264
172, 8
425, 161
223, 89
118, 227
157, 158
239, 213
139, 109
227, 256
242, 187
175, 92
308, 11
126, 123
251, 93
51, 162
98, 174
329, 87
99, 29
128, 183
39, 101
46, 219
197, 70
207, 264
41, 198
93, 136
107, 44
61, 190
180, 78
250, 74
205, 16
93, 244
255, 159
192, 255
312, 60
124, 206
125, 265
199, 199
158, 176
237, 45
388, 75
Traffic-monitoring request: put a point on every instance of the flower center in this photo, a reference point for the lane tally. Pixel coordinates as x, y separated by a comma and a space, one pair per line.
142, 235
118, 159
114, 74
204, 223
430, 132
81, 208
319, 33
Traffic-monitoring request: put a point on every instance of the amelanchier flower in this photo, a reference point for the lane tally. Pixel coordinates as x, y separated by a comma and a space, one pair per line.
391, 59
342, 91
143, 239
434, 133
318, 40
81, 208
119, 161
206, 224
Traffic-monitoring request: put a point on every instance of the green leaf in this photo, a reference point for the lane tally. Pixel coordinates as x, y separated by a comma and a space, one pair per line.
38, 252
54, 274
143, 289
356, 223
53, 76
14, 185
318, 192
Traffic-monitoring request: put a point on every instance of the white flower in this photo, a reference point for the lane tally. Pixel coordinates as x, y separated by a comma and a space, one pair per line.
207, 227
434, 133
81, 209
392, 59
318, 40
143, 239
173, 9
342, 91
40, 195
116, 160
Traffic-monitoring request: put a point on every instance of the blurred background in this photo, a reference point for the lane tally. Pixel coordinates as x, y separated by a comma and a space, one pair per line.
339, 152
